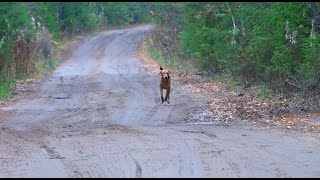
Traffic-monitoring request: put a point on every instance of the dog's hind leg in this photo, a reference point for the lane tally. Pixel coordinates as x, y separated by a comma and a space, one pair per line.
167, 96
161, 94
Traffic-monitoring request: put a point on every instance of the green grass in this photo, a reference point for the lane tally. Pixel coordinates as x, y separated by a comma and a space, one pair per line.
157, 55
174, 63
5, 90
263, 92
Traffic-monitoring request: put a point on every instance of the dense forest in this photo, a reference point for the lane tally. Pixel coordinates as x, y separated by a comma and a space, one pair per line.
273, 43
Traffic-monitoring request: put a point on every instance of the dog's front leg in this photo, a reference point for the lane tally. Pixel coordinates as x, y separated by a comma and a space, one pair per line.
161, 94
168, 96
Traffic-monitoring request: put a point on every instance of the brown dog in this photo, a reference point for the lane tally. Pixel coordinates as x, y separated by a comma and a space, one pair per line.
165, 83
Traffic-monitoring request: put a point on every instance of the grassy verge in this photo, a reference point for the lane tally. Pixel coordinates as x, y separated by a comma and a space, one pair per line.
173, 63
5, 90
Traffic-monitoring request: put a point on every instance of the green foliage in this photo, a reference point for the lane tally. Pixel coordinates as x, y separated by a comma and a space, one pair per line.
46, 15
120, 13
308, 71
79, 17
272, 41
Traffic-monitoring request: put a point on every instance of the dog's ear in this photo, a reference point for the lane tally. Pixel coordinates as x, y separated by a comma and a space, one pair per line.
160, 73
161, 68
169, 71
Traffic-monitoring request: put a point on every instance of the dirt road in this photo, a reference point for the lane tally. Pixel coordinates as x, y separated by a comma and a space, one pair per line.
99, 115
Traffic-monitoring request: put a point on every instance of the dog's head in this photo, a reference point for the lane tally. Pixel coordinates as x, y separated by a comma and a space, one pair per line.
164, 73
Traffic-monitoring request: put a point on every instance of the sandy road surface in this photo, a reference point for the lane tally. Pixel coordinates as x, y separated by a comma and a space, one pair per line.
99, 115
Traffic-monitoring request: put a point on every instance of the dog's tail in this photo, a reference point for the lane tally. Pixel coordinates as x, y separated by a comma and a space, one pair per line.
161, 68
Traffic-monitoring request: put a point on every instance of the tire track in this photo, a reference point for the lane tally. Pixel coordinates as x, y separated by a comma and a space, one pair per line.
138, 169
